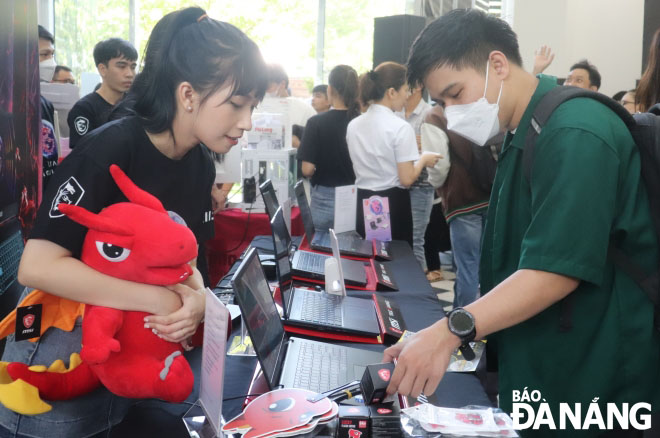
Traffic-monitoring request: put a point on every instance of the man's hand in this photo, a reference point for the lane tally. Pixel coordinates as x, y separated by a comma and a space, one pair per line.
421, 360
543, 57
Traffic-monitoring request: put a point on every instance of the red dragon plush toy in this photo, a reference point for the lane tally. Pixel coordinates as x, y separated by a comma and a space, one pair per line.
135, 241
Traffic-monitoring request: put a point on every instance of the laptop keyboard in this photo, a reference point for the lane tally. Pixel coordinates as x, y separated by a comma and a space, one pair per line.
349, 242
10, 256
225, 298
311, 262
321, 308
320, 366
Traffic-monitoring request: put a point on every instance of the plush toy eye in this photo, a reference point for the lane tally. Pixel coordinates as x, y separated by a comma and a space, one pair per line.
112, 253
282, 405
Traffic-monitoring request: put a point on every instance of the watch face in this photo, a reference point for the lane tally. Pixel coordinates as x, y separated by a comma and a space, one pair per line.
462, 322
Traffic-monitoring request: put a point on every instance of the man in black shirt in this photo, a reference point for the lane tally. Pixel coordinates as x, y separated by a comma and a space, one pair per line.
47, 140
116, 61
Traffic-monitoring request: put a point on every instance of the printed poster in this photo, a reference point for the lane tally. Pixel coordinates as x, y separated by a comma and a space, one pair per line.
377, 224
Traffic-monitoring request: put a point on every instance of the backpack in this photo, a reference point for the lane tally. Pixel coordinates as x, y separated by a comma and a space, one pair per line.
484, 162
645, 130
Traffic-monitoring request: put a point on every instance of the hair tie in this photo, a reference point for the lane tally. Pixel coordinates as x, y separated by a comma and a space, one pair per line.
373, 75
201, 17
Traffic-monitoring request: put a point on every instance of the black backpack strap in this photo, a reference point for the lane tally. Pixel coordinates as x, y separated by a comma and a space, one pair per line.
549, 103
566, 314
649, 283
655, 109
542, 113
643, 279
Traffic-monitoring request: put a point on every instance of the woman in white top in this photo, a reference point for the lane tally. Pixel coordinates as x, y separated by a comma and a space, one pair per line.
383, 147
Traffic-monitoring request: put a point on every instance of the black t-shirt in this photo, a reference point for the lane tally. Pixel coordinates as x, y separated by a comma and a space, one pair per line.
83, 178
47, 141
87, 114
47, 110
324, 145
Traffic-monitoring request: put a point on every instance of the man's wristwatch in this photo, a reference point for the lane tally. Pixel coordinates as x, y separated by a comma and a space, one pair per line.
461, 323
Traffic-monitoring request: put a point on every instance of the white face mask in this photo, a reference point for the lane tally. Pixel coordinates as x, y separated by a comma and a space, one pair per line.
476, 121
47, 69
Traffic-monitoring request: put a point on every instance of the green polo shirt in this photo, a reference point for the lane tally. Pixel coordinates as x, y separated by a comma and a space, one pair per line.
585, 191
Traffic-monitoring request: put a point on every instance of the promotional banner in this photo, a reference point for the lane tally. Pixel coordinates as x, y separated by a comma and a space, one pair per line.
20, 157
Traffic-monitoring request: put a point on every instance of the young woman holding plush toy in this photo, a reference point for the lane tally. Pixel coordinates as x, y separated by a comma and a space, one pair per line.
199, 84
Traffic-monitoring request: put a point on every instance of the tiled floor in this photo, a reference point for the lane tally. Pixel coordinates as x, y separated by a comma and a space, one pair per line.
445, 289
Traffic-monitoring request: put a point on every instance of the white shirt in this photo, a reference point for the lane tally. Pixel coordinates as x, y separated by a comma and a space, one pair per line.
299, 111
435, 140
417, 116
377, 141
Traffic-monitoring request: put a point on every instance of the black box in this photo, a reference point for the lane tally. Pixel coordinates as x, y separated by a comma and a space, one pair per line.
374, 382
394, 35
385, 420
353, 422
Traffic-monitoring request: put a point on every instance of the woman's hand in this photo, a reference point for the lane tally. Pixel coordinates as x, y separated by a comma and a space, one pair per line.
218, 198
181, 324
429, 159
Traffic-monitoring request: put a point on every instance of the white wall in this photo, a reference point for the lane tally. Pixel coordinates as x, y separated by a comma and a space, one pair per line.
606, 32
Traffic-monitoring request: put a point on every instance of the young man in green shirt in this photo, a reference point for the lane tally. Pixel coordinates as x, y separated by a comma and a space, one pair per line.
545, 241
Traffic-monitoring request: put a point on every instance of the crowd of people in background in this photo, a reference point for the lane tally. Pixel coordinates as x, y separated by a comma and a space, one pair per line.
331, 154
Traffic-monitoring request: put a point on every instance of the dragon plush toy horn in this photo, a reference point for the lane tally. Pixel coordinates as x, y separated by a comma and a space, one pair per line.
135, 241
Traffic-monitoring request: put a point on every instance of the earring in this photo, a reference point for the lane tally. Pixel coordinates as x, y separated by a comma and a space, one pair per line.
189, 109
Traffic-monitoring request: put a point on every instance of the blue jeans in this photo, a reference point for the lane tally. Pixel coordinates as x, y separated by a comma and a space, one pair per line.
465, 234
421, 201
84, 416
323, 207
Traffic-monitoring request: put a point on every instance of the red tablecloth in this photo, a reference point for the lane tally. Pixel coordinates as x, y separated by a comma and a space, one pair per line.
233, 233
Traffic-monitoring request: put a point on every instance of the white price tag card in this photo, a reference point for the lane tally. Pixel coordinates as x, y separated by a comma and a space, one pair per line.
213, 359
345, 208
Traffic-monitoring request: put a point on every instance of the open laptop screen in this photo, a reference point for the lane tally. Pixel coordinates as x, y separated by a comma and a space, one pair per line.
306, 213
270, 198
281, 244
260, 315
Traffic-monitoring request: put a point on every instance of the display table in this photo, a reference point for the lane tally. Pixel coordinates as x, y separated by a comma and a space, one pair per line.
420, 308
234, 230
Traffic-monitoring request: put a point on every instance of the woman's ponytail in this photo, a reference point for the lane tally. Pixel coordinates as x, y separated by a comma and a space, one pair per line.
344, 80
370, 88
376, 82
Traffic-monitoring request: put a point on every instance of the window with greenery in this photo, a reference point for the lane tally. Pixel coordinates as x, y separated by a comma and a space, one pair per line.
79, 25
284, 29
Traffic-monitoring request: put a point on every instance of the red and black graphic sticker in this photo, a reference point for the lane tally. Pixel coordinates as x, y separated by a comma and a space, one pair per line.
282, 410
